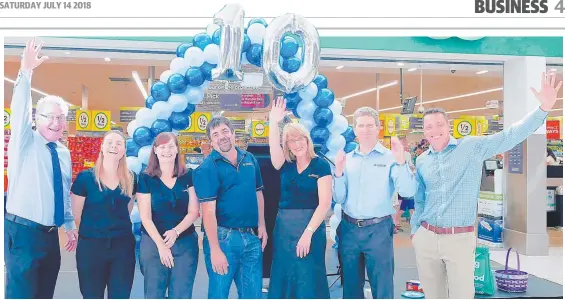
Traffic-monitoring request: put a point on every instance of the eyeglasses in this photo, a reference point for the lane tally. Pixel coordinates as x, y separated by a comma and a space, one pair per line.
299, 140
51, 118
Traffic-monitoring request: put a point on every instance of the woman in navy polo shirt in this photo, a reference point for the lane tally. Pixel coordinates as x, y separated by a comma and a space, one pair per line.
102, 199
168, 207
299, 268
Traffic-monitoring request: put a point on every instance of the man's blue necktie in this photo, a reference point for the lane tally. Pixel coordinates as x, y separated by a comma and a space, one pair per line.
57, 185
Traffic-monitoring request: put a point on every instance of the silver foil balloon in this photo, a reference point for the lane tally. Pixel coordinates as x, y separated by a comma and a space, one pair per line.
280, 79
230, 20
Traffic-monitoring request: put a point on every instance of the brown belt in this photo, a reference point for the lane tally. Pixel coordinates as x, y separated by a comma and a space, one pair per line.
447, 230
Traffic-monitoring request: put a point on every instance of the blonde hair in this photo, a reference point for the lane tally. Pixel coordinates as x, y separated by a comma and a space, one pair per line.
297, 130
125, 176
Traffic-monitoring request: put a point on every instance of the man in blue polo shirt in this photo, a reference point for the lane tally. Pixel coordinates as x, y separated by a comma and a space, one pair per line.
229, 186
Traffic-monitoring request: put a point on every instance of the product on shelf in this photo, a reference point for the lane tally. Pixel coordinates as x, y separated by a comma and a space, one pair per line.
84, 152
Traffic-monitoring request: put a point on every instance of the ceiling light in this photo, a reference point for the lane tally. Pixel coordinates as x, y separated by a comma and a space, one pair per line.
371, 90
482, 72
34, 89
557, 109
553, 70
139, 84
450, 98
412, 69
400, 64
107, 59
469, 109
339, 67
112, 122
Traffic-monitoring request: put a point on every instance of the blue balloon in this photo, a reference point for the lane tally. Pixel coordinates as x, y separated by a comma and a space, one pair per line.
206, 69
181, 49
160, 91
159, 126
350, 147
289, 47
132, 148
349, 134
179, 120
324, 149
323, 116
255, 54
246, 43
143, 136
201, 40
149, 102
216, 37
292, 100
295, 113
291, 65
321, 82
320, 135
324, 98
258, 20
190, 108
176, 83
194, 76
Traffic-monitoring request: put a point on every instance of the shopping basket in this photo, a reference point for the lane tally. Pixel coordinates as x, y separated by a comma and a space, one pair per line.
511, 281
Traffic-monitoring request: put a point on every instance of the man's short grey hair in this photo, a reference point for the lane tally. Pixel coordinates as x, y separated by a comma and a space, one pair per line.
366, 111
47, 100
217, 121
436, 110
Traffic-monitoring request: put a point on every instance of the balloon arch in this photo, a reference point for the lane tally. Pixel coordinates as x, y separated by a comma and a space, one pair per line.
288, 50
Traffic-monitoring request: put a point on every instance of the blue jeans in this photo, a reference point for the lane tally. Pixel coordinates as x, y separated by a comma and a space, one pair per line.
370, 247
245, 258
179, 280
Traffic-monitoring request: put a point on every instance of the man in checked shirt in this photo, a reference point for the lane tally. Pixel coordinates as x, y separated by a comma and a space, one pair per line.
446, 202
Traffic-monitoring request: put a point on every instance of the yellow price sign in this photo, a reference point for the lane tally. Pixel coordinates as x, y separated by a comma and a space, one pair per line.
7, 116
259, 129
83, 120
200, 121
100, 120
89, 164
390, 126
463, 128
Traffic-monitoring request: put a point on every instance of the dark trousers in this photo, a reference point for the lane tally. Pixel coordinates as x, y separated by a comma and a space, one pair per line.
369, 247
32, 259
106, 263
179, 280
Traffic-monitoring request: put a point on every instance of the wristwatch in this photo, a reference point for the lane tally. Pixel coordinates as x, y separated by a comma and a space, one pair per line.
309, 228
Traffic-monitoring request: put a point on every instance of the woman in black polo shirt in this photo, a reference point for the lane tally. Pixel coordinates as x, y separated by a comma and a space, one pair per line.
168, 207
299, 247
102, 199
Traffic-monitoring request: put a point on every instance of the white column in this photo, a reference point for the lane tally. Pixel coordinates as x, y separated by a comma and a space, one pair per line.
525, 218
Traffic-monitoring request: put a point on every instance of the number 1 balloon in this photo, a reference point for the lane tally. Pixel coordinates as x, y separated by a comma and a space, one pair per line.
230, 20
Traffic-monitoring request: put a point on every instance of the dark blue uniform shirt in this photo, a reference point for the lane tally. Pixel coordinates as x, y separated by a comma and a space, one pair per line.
168, 206
300, 190
105, 213
233, 187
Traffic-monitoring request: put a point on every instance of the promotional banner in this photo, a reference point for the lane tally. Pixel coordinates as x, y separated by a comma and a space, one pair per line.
491, 225
7, 115
127, 114
553, 129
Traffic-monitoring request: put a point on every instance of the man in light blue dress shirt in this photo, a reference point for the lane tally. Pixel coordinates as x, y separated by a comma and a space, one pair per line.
39, 179
449, 176
365, 181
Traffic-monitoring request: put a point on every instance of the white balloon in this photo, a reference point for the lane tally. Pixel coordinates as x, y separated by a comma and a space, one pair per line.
336, 108
145, 117
212, 54
177, 64
336, 142
144, 153
132, 126
308, 92
334, 222
471, 38
134, 216
337, 211
308, 123
178, 102
338, 125
439, 37
194, 57
194, 95
166, 74
333, 234
305, 109
244, 60
134, 164
256, 33
211, 28
162, 109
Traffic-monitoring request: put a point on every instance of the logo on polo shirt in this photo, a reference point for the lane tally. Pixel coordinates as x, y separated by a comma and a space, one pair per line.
314, 176
247, 164
380, 165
